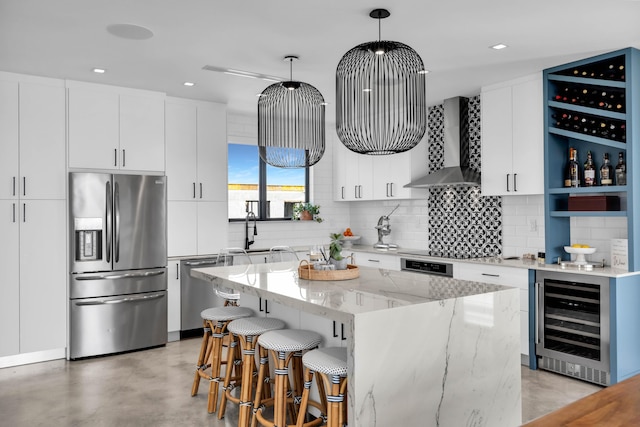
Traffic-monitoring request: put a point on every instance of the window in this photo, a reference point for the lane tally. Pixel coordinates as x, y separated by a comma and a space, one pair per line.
267, 191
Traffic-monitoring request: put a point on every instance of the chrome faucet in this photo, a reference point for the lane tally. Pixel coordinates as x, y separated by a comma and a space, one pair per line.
247, 242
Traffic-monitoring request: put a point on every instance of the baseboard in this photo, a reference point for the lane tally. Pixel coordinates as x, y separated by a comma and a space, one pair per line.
35, 357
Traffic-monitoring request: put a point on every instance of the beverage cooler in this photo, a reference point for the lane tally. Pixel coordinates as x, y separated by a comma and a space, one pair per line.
572, 331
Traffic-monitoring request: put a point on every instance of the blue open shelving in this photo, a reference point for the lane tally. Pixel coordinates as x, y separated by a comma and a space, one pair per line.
558, 140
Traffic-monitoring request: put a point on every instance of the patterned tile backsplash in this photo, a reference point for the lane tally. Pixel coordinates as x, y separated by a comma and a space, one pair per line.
462, 223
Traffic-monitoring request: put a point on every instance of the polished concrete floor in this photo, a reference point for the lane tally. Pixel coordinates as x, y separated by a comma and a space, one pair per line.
152, 388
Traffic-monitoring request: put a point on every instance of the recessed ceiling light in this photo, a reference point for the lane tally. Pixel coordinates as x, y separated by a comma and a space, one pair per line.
366, 89
99, 70
130, 31
189, 84
498, 46
423, 72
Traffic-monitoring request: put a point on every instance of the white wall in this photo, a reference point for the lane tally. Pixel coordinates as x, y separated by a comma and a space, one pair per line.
523, 229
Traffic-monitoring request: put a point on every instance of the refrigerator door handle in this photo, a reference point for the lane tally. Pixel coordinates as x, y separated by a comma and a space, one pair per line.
116, 205
120, 276
108, 221
120, 301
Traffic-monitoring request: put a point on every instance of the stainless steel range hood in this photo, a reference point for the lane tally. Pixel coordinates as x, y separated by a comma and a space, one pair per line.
456, 169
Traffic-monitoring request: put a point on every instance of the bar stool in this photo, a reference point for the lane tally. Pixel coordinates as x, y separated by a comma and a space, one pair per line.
215, 321
282, 253
247, 330
286, 347
330, 367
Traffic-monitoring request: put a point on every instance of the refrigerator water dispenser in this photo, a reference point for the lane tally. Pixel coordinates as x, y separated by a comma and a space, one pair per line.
88, 232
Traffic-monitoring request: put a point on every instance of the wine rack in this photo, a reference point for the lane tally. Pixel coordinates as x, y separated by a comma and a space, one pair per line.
592, 105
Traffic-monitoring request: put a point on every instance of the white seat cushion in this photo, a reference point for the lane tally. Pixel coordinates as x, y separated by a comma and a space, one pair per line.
252, 326
329, 360
226, 313
290, 340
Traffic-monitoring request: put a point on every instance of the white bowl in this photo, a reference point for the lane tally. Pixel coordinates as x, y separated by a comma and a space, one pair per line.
348, 241
579, 253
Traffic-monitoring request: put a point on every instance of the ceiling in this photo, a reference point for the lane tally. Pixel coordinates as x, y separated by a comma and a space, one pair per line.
68, 38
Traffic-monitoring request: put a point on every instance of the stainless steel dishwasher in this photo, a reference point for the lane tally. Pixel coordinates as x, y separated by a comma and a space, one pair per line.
195, 296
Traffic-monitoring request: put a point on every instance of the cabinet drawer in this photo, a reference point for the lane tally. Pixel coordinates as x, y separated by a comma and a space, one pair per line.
497, 275
365, 259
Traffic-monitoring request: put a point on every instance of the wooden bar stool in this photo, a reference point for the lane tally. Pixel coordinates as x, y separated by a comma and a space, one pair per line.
215, 321
330, 368
286, 347
247, 330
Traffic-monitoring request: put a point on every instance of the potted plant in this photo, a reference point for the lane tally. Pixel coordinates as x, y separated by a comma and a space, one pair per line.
335, 252
306, 211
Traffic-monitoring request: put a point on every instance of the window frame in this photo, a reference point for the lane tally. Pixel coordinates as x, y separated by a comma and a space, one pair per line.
262, 189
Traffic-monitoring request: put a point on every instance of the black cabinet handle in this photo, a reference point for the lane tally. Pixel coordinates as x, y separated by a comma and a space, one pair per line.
260, 305
115, 157
201, 190
334, 330
343, 338
177, 271
266, 306
515, 182
508, 182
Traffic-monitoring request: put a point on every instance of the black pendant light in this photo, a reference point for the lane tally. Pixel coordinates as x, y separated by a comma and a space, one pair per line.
291, 131
380, 96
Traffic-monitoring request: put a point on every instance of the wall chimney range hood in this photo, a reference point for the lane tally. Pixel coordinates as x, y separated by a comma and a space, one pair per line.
456, 171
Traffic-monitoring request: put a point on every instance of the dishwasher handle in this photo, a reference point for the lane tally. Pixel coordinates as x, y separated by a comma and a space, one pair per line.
122, 300
200, 263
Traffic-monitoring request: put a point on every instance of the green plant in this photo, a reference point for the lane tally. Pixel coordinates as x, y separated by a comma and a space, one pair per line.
335, 247
300, 207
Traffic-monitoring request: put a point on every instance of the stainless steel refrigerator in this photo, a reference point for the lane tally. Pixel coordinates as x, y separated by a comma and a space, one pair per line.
118, 278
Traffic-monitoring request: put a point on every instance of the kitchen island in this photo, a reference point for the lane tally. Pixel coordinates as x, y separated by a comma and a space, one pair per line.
422, 350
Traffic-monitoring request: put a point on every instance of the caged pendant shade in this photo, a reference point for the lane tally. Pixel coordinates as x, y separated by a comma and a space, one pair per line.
380, 96
291, 130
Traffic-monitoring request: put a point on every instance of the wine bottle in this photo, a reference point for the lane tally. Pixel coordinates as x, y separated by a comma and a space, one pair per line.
606, 171
574, 168
568, 170
621, 170
589, 171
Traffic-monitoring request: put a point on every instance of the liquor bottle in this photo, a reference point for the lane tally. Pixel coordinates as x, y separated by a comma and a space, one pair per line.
606, 171
621, 170
574, 168
589, 171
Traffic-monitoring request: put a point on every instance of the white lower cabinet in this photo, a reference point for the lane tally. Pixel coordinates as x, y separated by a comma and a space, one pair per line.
375, 260
196, 228
507, 276
333, 333
266, 308
173, 297
33, 296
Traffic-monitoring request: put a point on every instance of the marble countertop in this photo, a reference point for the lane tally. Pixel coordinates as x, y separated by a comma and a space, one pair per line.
498, 261
374, 290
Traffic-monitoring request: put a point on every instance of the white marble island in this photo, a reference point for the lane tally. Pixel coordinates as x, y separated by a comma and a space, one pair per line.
423, 350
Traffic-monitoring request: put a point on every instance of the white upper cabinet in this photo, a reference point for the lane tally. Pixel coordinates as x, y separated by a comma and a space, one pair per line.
196, 147
142, 132
365, 177
115, 128
512, 137
32, 138
392, 172
9, 174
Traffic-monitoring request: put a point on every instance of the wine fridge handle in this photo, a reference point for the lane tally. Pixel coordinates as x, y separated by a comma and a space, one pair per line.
537, 312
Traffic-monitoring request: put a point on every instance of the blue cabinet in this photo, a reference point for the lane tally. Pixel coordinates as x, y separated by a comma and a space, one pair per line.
592, 105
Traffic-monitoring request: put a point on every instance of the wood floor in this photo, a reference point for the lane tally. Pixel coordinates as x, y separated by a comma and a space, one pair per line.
152, 388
